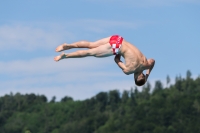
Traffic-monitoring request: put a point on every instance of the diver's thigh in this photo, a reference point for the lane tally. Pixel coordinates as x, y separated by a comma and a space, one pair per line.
99, 42
101, 51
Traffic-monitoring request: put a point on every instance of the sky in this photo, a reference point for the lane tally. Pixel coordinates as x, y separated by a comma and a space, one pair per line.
166, 30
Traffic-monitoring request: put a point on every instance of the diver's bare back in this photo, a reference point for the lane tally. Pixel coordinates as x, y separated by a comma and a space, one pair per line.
134, 59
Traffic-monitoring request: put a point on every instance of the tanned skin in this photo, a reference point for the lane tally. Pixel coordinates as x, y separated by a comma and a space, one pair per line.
135, 61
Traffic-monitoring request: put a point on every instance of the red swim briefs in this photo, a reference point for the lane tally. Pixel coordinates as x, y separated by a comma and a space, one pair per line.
116, 43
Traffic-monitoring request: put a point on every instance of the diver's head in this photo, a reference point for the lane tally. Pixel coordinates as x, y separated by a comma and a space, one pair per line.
140, 79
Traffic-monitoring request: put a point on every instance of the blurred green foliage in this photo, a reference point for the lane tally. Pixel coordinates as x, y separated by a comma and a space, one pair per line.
171, 109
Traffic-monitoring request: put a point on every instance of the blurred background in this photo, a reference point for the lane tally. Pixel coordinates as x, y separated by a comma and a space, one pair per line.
166, 30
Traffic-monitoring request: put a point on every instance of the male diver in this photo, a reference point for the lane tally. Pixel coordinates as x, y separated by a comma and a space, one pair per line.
135, 61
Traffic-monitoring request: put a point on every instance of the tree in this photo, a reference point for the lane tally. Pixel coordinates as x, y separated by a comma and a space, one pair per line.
102, 100
146, 88
168, 80
188, 74
102, 97
53, 99
158, 86
114, 99
66, 98
164, 110
125, 96
114, 96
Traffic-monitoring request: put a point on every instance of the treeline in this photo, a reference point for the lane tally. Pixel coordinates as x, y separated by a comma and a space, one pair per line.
173, 109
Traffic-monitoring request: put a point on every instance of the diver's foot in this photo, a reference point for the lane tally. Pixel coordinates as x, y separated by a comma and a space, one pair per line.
61, 56
62, 47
